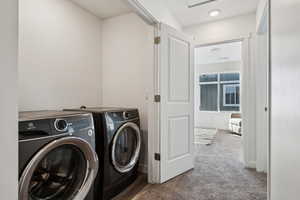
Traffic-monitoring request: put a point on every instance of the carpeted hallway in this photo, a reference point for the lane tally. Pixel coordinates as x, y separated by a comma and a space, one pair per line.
218, 175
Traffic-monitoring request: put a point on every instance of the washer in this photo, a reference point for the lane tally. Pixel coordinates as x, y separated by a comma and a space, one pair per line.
57, 158
118, 137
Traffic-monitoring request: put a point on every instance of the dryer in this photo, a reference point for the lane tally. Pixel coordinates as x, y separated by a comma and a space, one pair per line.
118, 141
57, 158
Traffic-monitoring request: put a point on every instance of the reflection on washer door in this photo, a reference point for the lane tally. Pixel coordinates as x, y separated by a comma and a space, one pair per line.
59, 175
125, 146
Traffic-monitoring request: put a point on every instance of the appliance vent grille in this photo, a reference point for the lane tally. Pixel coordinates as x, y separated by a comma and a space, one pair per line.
195, 3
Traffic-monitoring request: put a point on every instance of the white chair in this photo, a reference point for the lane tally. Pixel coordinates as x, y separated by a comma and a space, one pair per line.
235, 123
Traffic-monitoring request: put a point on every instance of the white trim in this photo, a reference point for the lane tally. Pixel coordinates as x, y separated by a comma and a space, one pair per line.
233, 82
248, 103
153, 117
143, 12
226, 112
251, 164
209, 83
226, 40
221, 72
218, 98
263, 19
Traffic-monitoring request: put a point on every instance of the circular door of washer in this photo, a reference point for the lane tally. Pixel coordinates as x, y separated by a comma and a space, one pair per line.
62, 170
126, 147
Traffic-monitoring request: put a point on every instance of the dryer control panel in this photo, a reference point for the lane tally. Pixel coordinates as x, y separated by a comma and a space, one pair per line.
123, 115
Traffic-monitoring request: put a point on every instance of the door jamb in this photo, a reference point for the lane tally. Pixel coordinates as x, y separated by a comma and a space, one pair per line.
266, 17
153, 166
154, 117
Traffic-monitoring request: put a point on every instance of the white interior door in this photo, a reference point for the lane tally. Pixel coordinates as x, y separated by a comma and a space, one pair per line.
176, 85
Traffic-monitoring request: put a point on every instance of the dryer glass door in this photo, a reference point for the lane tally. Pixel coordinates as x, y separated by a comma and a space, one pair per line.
126, 147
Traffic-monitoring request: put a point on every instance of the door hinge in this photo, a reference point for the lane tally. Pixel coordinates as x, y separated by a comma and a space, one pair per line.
157, 40
157, 156
157, 98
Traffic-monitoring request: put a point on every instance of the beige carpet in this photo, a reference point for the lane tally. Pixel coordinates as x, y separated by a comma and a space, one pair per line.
218, 175
204, 136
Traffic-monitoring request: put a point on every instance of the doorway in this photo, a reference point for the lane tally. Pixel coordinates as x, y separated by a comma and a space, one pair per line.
223, 153
217, 91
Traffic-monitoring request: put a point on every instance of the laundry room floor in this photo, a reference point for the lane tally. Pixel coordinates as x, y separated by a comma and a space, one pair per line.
218, 175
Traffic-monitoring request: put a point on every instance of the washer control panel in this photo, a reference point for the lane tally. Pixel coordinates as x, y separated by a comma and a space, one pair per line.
62, 125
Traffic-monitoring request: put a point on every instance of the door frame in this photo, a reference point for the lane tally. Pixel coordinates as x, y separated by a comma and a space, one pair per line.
154, 117
266, 20
153, 166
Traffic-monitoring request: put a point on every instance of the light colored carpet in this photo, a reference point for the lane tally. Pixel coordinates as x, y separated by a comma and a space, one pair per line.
204, 136
218, 175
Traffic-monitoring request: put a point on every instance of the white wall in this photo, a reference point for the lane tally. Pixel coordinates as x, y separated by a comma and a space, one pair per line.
227, 29
127, 65
8, 100
285, 99
159, 10
207, 119
59, 55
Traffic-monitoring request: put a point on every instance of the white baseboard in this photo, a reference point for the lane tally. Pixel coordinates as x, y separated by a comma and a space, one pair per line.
251, 164
143, 168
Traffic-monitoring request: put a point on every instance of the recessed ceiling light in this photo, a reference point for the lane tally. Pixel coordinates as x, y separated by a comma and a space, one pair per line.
214, 13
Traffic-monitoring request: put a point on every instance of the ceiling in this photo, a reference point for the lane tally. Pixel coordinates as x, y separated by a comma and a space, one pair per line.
220, 53
105, 8
190, 16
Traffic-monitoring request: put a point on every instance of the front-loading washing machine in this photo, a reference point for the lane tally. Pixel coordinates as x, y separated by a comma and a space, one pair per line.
57, 158
118, 141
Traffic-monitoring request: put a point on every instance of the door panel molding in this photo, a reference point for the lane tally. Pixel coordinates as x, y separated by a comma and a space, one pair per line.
176, 86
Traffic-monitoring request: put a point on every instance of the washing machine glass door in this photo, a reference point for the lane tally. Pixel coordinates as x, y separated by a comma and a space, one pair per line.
126, 147
63, 170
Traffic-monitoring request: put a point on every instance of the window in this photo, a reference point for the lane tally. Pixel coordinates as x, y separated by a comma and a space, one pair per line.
209, 92
231, 96
220, 92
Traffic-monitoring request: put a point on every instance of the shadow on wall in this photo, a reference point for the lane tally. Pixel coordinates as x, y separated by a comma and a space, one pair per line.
144, 152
